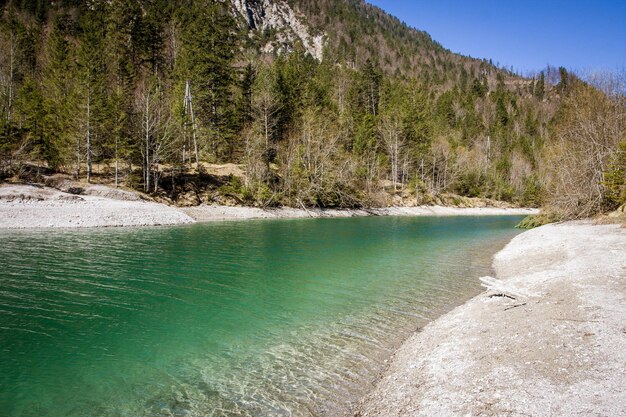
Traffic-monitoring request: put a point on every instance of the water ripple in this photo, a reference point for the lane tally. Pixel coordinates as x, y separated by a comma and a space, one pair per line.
287, 318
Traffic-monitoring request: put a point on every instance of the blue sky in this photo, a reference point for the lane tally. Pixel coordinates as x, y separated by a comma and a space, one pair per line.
584, 35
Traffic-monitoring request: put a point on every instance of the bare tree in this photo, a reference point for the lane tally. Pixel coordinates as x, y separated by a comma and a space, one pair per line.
391, 131
189, 113
7, 72
159, 135
585, 140
265, 104
147, 99
521, 169
311, 162
442, 158
257, 168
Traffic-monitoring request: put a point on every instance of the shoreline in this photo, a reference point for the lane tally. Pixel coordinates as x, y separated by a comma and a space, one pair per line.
31, 207
204, 214
546, 338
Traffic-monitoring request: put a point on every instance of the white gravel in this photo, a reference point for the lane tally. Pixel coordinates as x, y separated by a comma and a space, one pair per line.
24, 207
560, 351
218, 213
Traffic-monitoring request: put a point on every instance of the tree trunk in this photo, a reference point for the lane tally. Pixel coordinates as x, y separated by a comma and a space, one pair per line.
189, 107
195, 140
89, 136
11, 71
394, 162
77, 157
266, 128
147, 144
116, 163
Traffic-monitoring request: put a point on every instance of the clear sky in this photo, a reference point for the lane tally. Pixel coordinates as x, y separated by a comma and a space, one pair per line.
584, 35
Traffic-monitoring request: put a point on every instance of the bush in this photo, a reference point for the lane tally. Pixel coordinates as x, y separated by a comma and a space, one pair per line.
470, 184
537, 220
532, 192
615, 179
583, 161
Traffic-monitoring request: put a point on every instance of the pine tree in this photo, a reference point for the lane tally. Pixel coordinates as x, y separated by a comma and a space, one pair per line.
245, 101
371, 83
478, 88
30, 114
293, 76
206, 60
92, 86
540, 87
60, 97
563, 80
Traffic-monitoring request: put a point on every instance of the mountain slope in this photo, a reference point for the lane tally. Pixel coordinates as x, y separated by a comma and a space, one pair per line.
350, 32
322, 103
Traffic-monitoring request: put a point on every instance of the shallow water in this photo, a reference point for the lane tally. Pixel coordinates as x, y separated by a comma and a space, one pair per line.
267, 318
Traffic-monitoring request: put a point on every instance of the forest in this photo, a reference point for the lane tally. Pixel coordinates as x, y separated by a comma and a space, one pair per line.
150, 94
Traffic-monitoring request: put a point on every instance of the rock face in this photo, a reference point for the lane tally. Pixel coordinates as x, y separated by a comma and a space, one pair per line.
289, 27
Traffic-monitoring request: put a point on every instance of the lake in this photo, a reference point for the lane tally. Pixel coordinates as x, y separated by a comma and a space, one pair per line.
255, 318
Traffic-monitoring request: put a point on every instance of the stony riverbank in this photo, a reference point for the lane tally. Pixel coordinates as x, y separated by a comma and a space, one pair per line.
216, 213
548, 338
26, 206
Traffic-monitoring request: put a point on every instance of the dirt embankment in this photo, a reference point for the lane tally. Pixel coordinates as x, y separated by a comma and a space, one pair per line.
548, 339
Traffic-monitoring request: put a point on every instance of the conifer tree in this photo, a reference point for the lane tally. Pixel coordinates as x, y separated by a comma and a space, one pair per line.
206, 60
245, 101
563, 80
29, 115
540, 86
91, 87
60, 98
371, 83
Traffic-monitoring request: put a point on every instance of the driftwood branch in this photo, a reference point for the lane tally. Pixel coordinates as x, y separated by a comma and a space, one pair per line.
515, 306
304, 208
499, 294
503, 289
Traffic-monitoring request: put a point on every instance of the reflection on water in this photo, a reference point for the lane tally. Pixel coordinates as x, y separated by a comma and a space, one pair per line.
269, 318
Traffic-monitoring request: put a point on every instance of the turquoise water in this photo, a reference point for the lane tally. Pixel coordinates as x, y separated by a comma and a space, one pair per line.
268, 318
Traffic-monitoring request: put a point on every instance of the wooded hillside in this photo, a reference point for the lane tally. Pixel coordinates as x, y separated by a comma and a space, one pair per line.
145, 93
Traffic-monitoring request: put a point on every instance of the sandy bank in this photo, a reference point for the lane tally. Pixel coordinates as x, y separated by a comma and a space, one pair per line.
24, 206
558, 349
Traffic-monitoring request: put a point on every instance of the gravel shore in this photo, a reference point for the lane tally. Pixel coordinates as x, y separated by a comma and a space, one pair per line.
548, 339
221, 213
25, 206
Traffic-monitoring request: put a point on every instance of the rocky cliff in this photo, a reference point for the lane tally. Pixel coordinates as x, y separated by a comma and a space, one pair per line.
287, 25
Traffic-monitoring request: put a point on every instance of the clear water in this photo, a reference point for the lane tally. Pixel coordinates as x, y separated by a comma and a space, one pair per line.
269, 318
